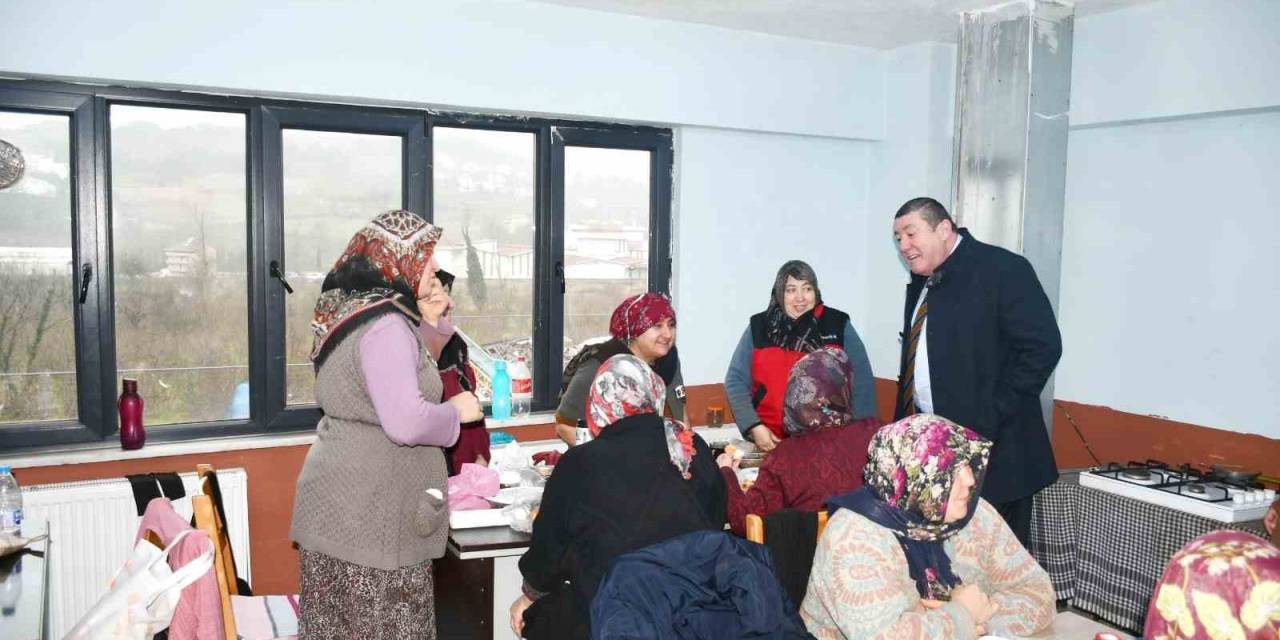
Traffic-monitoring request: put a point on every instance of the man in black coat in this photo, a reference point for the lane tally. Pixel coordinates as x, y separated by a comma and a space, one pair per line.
979, 343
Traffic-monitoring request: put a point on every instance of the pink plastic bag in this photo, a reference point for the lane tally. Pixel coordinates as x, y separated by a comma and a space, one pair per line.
471, 486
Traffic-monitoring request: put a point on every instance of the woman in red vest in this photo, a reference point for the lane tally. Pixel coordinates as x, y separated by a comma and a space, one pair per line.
795, 323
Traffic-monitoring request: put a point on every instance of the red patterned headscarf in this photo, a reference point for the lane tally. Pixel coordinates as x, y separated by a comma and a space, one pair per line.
1224, 584
639, 312
381, 267
625, 386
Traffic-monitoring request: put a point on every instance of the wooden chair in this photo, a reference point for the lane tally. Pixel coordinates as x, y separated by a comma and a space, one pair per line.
755, 526
208, 517
791, 565
207, 520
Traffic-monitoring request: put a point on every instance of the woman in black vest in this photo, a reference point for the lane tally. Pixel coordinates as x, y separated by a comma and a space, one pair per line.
795, 323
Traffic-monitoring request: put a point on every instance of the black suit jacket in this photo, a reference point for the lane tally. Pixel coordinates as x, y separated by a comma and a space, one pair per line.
993, 342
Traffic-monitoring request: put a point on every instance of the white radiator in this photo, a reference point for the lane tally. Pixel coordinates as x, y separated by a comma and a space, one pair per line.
92, 525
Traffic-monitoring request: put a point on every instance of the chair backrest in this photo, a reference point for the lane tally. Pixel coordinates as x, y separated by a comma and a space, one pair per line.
755, 526
207, 519
789, 548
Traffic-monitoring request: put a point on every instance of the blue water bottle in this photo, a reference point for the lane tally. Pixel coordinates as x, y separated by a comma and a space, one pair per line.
501, 391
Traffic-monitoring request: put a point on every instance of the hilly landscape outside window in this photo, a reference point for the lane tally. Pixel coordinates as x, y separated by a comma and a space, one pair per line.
37, 333
484, 200
179, 217
334, 183
606, 237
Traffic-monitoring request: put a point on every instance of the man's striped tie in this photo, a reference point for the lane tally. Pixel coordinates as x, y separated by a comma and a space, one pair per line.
908, 377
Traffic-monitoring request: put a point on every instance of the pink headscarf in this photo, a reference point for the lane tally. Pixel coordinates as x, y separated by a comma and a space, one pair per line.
625, 386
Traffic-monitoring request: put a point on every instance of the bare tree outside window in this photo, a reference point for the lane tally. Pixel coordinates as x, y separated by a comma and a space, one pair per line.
37, 341
178, 212
334, 183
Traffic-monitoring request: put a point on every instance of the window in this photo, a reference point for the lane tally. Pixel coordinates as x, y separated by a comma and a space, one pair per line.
178, 212
333, 183
606, 237
483, 190
37, 327
181, 239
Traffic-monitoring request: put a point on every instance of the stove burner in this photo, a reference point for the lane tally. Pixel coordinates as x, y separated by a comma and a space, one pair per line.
1195, 488
1136, 475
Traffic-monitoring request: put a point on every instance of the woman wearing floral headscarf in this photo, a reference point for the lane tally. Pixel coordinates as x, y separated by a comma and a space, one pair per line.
369, 514
1224, 584
795, 323
643, 325
642, 479
825, 453
915, 553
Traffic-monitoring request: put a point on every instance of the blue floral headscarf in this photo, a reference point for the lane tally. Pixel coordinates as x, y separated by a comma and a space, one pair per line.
910, 468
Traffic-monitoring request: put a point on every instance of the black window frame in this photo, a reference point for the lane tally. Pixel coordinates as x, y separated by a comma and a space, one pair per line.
266, 118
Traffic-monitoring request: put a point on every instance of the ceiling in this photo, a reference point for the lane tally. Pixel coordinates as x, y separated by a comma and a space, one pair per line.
880, 24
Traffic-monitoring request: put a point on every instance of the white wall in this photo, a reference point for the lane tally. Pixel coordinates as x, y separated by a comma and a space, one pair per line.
1169, 265
1175, 58
913, 159
747, 202
774, 135
507, 55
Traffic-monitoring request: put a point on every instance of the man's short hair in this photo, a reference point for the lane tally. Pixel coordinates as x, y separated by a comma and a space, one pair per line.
931, 210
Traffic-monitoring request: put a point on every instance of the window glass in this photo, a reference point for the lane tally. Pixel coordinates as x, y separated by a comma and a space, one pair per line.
334, 183
484, 200
178, 226
606, 237
37, 332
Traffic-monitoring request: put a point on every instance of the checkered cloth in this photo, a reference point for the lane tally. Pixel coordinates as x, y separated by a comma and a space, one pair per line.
1053, 538
1105, 552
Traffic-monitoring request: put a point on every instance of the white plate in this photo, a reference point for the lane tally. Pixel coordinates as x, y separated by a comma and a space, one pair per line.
512, 494
477, 518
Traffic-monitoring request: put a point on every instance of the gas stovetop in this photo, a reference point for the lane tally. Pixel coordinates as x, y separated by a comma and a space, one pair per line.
1184, 488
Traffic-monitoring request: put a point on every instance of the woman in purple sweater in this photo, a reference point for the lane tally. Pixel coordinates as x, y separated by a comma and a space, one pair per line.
369, 514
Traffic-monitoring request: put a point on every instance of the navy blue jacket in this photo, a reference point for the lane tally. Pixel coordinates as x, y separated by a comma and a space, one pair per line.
703, 585
993, 343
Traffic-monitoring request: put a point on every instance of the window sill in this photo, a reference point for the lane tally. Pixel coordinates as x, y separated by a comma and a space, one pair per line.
102, 452
111, 451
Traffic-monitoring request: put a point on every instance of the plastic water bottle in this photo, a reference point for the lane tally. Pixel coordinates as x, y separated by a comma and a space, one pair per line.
10, 502
501, 403
521, 388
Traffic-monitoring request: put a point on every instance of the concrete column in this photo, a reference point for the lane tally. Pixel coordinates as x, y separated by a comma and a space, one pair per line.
1013, 89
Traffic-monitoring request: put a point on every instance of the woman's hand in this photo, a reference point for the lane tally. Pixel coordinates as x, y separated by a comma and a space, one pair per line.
975, 601
517, 614
468, 407
764, 438
727, 460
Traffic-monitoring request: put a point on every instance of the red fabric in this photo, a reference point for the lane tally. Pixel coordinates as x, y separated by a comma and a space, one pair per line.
771, 367
473, 437
639, 312
199, 612
802, 472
